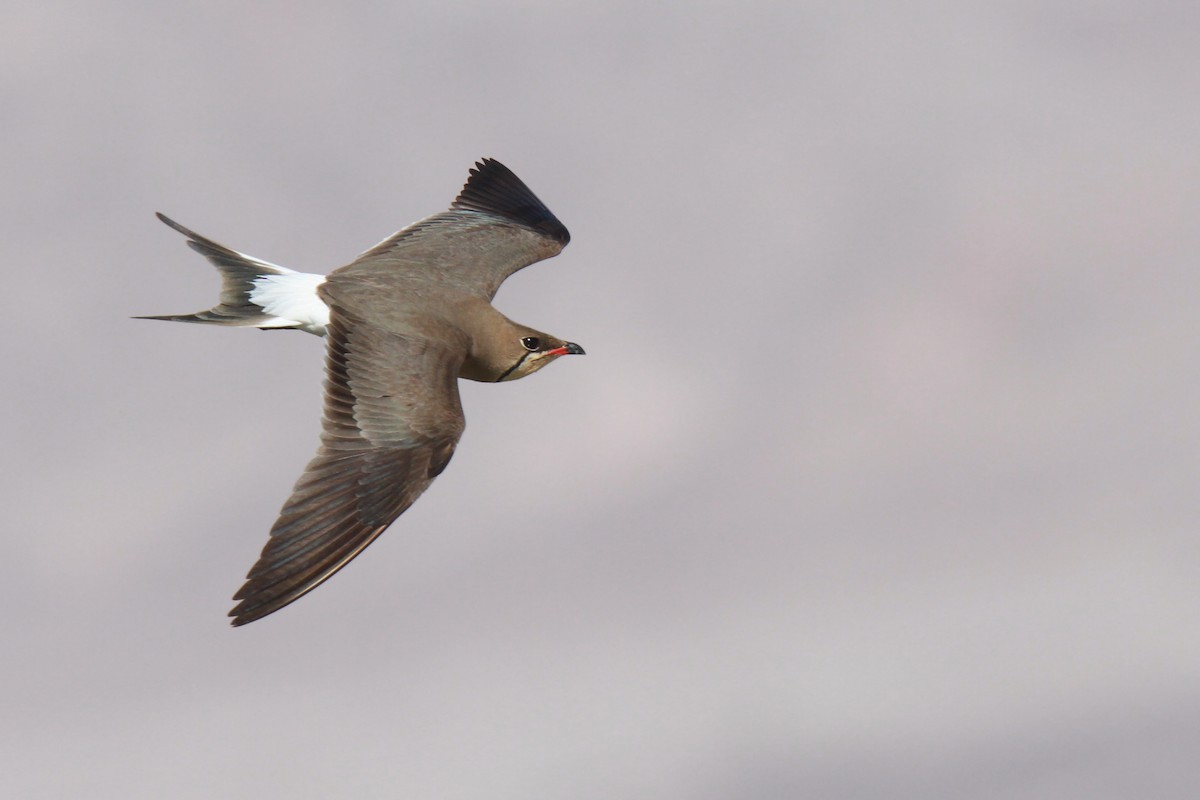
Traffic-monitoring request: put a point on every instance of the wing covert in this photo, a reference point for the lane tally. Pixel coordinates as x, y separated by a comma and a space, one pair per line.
495, 227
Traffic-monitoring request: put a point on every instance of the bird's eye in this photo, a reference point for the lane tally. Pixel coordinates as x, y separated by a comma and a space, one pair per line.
531, 342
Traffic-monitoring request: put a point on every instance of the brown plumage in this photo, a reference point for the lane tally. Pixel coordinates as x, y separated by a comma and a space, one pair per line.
404, 321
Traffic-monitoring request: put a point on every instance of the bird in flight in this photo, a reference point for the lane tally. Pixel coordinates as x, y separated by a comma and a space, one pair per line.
403, 322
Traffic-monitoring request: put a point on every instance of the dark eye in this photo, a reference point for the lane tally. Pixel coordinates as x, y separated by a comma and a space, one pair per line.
531, 342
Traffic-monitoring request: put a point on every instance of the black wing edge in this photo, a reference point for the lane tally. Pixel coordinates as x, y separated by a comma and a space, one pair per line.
494, 189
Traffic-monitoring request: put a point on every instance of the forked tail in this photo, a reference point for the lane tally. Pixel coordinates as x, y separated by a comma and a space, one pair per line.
255, 293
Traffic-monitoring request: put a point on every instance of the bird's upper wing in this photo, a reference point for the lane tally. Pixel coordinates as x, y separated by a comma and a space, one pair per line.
392, 419
495, 227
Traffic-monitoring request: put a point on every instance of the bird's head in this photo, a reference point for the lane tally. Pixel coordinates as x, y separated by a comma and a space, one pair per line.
531, 350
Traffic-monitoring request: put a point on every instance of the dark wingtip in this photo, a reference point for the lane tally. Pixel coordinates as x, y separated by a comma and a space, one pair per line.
243, 613
494, 189
238, 620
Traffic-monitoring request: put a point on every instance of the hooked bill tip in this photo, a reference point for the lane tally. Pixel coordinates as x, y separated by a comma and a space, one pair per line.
575, 350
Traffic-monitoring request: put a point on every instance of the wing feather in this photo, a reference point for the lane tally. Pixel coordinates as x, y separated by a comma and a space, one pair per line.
495, 227
392, 419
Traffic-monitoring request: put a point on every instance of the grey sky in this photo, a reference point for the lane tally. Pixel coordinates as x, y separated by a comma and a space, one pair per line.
878, 479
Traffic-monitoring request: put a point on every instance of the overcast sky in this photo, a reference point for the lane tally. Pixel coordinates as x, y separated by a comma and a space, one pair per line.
878, 479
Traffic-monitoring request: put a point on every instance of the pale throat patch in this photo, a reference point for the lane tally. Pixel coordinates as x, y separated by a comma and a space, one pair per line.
530, 364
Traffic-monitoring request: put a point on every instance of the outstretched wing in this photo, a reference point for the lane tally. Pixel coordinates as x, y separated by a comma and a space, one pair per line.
392, 419
495, 227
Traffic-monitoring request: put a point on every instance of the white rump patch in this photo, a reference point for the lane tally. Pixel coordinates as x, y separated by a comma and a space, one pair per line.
292, 298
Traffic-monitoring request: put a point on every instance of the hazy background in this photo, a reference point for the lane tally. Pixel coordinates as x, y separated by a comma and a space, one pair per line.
878, 480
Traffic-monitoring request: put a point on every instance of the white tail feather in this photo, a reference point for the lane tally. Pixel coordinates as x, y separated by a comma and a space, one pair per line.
291, 298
